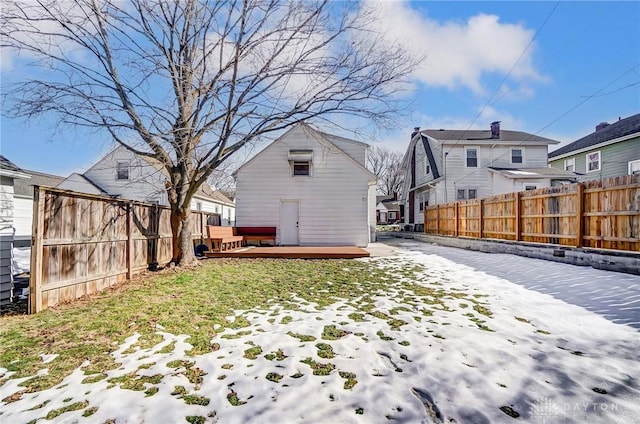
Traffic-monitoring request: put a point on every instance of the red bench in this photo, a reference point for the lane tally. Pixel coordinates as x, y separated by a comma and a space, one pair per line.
258, 234
223, 238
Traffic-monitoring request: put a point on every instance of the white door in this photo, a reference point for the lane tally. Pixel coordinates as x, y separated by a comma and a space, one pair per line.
289, 215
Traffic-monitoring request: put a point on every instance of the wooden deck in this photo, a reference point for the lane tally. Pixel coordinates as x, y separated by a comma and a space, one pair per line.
293, 252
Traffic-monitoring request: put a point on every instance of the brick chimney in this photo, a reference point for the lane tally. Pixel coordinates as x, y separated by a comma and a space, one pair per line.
601, 126
416, 130
495, 129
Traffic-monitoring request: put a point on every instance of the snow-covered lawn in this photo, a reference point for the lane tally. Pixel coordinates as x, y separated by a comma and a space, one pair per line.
442, 343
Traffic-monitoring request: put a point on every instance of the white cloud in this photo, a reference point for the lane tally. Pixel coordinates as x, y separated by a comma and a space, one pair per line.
458, 53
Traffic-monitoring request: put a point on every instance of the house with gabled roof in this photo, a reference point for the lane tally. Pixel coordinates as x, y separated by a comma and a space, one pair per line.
443, 166
124, 174
313, 187
611, 150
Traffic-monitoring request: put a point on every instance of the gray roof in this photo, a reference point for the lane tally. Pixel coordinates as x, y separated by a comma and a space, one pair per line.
534, 172
25, 187
618, 129
479, 135
8, 165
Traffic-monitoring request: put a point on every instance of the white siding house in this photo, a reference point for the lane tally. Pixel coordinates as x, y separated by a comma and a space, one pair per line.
444, 166
8, 174
122, 173
313, 187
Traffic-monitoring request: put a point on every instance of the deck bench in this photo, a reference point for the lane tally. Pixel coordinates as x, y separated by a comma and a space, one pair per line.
223, 238
258, 234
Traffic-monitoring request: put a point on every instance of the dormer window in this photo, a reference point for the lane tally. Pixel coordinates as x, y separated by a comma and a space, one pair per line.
122, 170
300, 162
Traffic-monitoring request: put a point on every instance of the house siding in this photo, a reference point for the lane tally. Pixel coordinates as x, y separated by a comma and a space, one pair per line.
6, 238
615, 160
334, 203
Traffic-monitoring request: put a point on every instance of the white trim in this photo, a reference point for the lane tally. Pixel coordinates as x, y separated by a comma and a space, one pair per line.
595, 146
586, 158
477, 149
631, 164
521, 148
14, 174
572, 161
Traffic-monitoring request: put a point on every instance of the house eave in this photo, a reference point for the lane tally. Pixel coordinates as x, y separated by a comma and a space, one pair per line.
14, 174
593, 147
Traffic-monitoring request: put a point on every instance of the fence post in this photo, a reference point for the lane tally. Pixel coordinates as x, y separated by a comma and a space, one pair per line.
438, 219
129, 241
455, 215
37, 229
579, 214
518, 213
481, 219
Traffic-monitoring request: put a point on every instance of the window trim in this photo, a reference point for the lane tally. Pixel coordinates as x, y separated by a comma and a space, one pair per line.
300, 163
632, 162
521, 155
466, 156
119, 170
571, 161
597, 152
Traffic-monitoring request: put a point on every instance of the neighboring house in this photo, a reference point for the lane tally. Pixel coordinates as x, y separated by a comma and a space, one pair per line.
447, 165
312, 186
124, 174
388, 210
9, 174
23, 205
610, 151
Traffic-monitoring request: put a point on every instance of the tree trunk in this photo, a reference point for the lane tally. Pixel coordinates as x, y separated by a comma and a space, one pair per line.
183, 253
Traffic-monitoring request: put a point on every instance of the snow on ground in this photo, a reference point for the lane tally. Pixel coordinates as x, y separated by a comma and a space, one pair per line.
490, 349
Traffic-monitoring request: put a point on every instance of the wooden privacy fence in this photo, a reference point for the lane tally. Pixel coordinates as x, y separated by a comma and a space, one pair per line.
82, 243
602, 214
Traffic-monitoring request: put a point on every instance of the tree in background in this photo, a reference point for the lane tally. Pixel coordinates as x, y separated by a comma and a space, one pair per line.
386, 165
191, 82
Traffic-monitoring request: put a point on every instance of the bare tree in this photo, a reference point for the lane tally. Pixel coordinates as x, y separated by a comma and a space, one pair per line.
386, 165
191, 82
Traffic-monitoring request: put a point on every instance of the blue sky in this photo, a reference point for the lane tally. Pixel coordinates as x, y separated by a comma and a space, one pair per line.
582, 68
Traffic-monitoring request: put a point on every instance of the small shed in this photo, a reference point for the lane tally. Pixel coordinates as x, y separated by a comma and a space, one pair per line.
9, 172
312, 186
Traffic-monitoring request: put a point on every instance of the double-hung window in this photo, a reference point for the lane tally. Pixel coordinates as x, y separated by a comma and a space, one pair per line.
517, 155
570, 164
471, 157
594, 161
122, 170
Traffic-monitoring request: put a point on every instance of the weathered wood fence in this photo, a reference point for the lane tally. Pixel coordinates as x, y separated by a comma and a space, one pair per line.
599, 214
83, 243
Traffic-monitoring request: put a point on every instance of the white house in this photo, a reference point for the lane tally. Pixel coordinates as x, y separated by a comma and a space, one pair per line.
447, 165
387, 210
312, 186
23, 203
9, 173
122, 173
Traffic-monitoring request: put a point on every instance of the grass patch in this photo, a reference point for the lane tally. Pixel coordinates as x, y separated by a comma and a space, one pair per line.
192, 399
135, 382
318, 367
330, 332
73, 407
523, 320
302, 337
350, 379
278, 355
286, 319
195, 419
357, 317
384, 336
325, 351
252, 353
90, 411
274, 377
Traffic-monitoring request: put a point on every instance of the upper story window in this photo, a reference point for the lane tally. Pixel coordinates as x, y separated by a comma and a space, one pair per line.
427, 167
301, 169
634, 167
570, 164
471, 157
517, 155
593, 161
122, 170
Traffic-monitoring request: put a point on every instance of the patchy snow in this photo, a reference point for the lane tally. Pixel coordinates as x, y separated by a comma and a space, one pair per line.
555, 362
46, 358
21, 260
